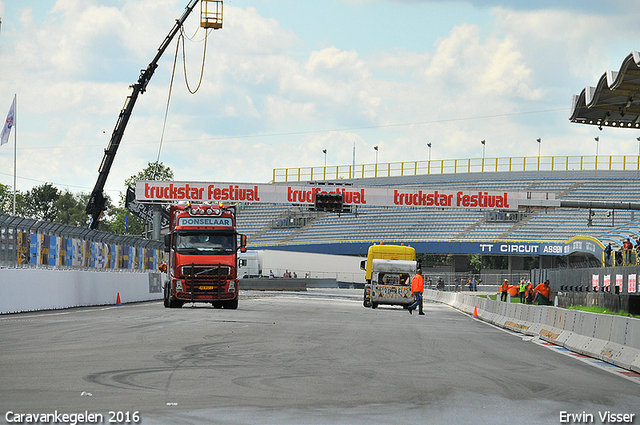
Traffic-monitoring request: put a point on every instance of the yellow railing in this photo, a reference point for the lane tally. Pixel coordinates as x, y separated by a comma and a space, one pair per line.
451, 166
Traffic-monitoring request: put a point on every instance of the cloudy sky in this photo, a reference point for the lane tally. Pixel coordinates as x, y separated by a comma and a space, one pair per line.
286, 79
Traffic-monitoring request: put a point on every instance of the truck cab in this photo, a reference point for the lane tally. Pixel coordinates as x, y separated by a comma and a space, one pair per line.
202, 246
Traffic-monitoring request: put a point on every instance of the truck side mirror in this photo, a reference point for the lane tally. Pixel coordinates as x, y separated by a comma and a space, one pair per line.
363, 265
243, 243
167, 243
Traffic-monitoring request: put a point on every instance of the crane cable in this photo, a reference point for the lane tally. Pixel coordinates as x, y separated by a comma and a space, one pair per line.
173, 73
166, 111
184, 60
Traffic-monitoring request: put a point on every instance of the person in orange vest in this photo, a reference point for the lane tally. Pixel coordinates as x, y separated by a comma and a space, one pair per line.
543, 293
504, 290
529, 293
417, 288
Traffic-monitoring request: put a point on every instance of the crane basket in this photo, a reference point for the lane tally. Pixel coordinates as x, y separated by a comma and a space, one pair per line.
211, 14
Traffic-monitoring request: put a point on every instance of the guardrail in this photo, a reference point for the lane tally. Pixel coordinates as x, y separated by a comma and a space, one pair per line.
613, 339
451, 166
28, 243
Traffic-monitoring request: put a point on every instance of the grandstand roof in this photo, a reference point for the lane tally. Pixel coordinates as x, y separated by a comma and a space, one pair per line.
614, 101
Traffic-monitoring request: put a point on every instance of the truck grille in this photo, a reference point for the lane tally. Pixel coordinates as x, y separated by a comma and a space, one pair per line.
202, 282
206, 272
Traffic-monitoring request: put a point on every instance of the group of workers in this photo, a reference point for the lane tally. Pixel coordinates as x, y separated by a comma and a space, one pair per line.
628, 254
541, 294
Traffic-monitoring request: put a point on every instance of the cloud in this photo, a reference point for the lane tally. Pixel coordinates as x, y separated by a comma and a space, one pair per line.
271, 99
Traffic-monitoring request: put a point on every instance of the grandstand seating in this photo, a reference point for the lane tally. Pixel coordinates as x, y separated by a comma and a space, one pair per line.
409, 223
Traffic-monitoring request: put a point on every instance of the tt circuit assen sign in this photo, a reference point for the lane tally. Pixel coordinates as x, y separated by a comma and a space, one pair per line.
578, 244
167, 191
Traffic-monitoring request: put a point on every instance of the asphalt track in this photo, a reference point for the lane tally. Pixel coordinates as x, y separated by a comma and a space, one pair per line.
296, 359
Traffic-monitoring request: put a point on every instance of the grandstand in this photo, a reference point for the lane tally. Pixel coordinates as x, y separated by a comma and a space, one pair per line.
436, 229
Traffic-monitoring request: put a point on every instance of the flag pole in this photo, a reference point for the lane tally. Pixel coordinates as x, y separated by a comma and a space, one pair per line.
15, 144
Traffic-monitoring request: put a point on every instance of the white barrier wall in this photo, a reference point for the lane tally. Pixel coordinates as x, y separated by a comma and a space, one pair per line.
613, 339
42, 289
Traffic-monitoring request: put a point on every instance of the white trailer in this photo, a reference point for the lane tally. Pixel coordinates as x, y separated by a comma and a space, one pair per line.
249, 265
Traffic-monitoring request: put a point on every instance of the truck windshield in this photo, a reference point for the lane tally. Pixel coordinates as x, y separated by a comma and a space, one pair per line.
201, 242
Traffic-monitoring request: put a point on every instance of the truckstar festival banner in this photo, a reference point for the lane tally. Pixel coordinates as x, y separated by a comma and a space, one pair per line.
198, 192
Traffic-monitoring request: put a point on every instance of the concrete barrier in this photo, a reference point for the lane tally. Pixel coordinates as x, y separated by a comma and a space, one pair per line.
613, 339
42, 289
285, 284
583, 330
565, 324
490, 310
518, 319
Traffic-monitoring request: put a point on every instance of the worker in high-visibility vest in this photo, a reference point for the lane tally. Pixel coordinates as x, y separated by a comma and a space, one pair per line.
417, 288
504, 290
523, 289
529, 293
543, 293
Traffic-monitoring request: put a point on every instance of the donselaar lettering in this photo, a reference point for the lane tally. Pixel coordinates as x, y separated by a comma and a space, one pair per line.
205, 222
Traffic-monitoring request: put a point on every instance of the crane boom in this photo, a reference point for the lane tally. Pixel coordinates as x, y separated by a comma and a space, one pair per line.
96, 204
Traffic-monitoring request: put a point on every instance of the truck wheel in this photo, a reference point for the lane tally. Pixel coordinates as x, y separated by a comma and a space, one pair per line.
233, 304
174, 303
374, 305
216, 305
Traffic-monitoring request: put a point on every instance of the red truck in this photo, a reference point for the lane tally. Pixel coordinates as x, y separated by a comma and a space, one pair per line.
202, 244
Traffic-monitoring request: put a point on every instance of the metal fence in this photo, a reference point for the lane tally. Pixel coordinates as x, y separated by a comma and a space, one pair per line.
25, 242
455, 166
486, 280
595, 279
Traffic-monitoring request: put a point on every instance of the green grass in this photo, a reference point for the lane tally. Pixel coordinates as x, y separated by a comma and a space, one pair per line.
493, 297
601, 310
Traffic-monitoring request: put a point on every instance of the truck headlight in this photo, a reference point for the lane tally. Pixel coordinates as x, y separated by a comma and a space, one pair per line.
232, 286
178, 286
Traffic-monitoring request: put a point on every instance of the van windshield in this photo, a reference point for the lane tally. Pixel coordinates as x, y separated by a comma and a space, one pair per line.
393, 279
202, 242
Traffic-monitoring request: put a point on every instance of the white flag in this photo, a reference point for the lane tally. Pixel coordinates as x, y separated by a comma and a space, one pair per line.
8, 124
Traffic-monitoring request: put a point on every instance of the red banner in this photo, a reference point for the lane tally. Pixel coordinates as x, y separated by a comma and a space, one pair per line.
388, 196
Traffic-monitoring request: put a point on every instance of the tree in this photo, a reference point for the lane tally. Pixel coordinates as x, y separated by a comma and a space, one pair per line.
134, 225
6, 199
475, 262
154, 171
125, 222
40, 202
71, 209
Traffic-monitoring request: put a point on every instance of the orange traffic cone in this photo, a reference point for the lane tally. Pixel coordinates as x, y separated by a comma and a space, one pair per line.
118, 299
475, 311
